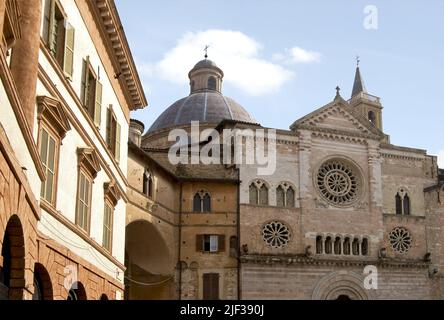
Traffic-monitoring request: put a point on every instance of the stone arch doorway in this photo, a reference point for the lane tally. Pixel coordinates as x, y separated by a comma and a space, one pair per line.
103, 297
150, 267
12, 264
341, 286
77, 292
42, 284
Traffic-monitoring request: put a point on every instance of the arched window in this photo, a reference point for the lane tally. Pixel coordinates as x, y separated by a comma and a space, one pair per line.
212, 83
356, 247
148, 184
290, 198
202, 202
206, 203
398, 204
328, 245
253, 194
196, 203
280, 197
263, 195
406, 205
403, 205
258, 193
364, 247
372, 117
346, 246
319, 245
285, 195
192, 85
338, 245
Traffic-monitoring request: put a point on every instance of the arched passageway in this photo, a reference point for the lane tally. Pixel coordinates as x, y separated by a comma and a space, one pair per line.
149, 274
42, 284
77, 292
12, 262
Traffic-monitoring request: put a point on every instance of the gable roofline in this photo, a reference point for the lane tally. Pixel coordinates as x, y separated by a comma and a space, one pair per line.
106, 15
341, 103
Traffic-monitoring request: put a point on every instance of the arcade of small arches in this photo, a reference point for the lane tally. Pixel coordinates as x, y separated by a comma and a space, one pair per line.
342, 245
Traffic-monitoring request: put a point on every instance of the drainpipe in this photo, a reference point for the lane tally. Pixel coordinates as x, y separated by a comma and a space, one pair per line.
238, 238
180, 241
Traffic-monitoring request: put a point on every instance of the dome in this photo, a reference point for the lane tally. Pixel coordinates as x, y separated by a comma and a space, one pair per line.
205, 103
203, 106
205, 64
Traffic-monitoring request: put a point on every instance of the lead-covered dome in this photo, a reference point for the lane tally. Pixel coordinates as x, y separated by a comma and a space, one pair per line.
205, 103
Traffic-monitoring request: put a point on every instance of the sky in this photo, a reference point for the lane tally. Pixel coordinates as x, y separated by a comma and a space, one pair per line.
283, 59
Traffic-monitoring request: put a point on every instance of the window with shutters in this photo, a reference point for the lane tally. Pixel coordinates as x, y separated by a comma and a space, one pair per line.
84, 201
113, 134
49, 153
210, 243
53, 126
91, 93
59, 35
108, 226
88, 168
210, 286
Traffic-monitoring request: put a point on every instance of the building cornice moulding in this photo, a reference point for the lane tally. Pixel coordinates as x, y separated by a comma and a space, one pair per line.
108, 21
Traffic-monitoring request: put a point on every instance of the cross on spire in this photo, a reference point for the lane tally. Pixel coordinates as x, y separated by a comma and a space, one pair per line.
206, 51
358, 60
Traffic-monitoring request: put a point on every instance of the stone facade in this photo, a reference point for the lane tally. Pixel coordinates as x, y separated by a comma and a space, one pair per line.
47, 138
343, 207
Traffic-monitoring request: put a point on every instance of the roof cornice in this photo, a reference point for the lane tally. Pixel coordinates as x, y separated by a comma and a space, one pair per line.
107, 18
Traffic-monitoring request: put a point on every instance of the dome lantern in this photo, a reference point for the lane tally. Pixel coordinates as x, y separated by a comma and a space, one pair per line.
206, 75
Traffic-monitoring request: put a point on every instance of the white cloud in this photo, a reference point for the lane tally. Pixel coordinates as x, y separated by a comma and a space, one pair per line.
298, 55
441, 159
233, 51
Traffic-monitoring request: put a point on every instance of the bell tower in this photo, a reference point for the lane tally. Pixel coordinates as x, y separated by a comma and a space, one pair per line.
369, 106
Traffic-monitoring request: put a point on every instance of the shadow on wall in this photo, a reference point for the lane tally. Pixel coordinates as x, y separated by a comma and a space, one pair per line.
150, 268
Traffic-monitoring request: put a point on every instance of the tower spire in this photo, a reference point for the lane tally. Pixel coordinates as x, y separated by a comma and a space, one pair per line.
358, 85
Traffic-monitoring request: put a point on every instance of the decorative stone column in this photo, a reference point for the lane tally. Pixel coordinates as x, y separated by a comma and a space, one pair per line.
24, 61
305, 197
375, 175
304, 168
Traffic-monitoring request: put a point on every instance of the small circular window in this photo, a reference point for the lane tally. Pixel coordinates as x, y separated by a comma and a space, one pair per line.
400, 240
338, 182
276, 234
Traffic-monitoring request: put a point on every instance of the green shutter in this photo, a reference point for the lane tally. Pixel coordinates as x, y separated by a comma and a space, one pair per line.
118, 132
98, 104
68, 61
52, 34
108, 128
46, 21
85, 83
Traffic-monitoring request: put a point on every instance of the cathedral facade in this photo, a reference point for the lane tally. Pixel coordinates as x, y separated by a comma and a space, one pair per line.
345, 215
